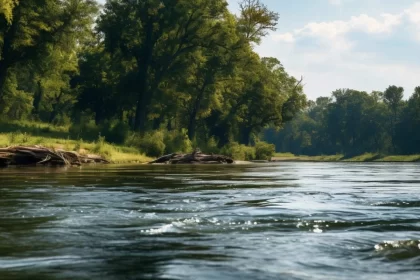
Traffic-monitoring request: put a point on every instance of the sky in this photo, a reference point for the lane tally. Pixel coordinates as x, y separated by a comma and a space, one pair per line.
359, 44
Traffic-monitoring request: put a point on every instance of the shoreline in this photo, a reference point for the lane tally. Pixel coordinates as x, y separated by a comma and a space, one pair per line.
119, 154
368, 157
115, 154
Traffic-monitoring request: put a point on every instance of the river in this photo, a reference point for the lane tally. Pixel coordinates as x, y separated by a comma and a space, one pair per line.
281, 221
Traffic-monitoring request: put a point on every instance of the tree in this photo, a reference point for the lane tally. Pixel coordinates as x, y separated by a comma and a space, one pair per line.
33, 25
392, 97
256, 20
407, 130
165, 31
6, 10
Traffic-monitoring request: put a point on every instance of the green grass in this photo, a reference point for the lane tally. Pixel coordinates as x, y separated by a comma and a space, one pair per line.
284, 155
399, 158
33, 128
14, 133
292, 157
364, 157
367, 157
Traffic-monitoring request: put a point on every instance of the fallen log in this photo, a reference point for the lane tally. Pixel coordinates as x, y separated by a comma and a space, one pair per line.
196, 157
37, 155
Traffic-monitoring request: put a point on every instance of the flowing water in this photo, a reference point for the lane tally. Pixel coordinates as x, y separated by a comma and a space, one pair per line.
283, 221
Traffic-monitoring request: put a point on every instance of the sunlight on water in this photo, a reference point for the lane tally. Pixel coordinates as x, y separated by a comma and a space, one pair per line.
284, 221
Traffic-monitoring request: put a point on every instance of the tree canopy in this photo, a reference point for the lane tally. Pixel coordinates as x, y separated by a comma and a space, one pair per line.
186, 65
353, 122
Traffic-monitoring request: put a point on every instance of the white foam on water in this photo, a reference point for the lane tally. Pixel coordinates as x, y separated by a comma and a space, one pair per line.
8, 263
414, 244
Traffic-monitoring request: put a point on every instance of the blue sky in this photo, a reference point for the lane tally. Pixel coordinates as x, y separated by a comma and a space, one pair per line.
359, 44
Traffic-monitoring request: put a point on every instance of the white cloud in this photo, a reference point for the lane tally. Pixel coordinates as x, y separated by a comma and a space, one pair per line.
332, 33
362, 23
414, 13
285, 37
332, 60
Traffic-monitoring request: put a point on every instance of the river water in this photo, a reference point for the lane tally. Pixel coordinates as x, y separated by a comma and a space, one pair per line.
282, 221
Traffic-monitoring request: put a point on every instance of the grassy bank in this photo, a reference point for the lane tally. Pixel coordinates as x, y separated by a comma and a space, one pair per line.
31, 133
368, 157
58, 137
113, 153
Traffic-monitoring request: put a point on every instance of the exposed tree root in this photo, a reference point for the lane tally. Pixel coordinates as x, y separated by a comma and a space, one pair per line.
37, 155
193, 158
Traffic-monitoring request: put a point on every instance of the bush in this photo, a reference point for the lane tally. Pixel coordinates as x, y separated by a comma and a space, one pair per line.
152, 143
85, 130
239, 152
177, 141
116, 133
209, 146
264, 150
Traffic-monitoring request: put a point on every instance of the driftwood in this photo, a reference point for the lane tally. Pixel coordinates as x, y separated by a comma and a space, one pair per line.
196, 157
33, 155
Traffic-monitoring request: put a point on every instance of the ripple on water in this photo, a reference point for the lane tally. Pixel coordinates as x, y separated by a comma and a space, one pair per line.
399, 249
287, 221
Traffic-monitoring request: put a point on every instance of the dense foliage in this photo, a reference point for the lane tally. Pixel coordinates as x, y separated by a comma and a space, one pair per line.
352, 122
183, 67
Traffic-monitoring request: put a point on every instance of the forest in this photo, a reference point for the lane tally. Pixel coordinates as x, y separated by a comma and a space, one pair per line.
165, 76
184, 69
352, 122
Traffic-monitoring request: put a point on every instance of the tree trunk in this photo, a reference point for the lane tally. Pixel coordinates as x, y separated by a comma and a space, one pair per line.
39, 94
3, 77
56, 107
141, 114
192, 126
7, 51
245, 135
192, 122
144, 59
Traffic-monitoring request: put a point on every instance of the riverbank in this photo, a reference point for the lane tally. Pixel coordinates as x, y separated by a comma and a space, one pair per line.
113, 153
368, 157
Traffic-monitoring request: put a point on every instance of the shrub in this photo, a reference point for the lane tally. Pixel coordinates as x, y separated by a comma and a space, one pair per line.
177, 141
239, 152
209, 146
152, 143
116, 133
86, 130
264, 150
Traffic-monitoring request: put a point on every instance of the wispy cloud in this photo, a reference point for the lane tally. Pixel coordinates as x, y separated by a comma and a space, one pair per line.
332, 54
336, 30
386, 23
413, 14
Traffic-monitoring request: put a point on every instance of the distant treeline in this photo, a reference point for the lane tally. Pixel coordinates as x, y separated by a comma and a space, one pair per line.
353, 122
185, 66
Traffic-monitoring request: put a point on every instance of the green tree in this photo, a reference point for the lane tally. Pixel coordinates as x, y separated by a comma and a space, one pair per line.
393, 98
6, 10
36, 25
407, 131
256, 20
164, 31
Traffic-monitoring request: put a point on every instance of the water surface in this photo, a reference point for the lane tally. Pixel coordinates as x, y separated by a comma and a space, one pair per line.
283, 221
